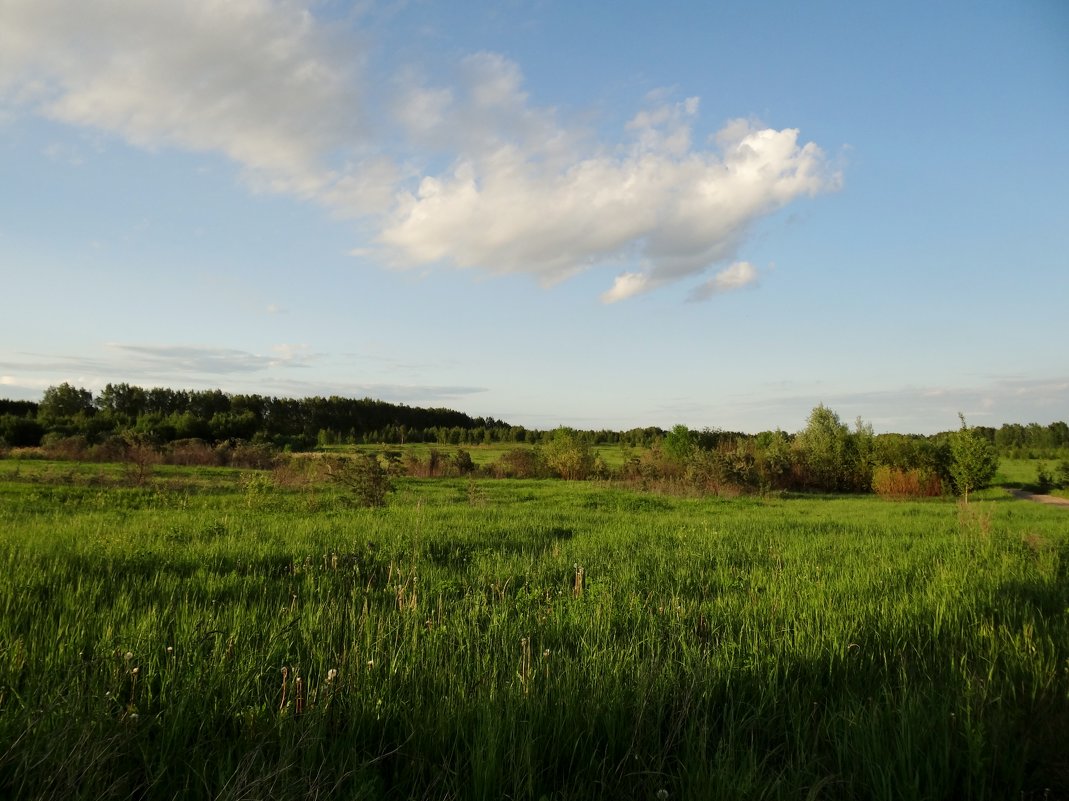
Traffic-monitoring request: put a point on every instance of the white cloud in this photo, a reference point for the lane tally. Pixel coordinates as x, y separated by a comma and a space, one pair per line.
259, 81
288, 370
469, 173
625, 286
191, 359
291, 355
738, 275
675, 210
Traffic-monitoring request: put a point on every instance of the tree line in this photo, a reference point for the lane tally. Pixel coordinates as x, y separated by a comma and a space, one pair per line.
827, 455
165, 415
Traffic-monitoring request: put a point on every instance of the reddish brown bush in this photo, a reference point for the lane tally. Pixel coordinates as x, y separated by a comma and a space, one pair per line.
192, 453
892, 482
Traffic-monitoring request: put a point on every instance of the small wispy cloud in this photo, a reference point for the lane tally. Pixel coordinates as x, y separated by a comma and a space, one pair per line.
285, 355
191, 360
234, 370
64, 154
419, 394
738, 275
914, 409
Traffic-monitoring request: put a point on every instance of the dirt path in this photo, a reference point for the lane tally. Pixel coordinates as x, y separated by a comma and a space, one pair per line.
1053, 500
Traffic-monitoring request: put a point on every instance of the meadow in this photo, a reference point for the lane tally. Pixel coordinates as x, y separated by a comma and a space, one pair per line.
211, 634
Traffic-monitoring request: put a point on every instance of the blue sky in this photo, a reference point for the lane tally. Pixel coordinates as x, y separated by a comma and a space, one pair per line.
599, 215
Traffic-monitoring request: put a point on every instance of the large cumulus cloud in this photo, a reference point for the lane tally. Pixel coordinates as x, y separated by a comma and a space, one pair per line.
466, 173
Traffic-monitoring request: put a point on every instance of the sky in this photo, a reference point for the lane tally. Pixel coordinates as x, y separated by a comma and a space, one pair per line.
601, 215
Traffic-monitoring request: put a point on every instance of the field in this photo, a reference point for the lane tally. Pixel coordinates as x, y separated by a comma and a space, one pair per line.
212, 635
482, 455
1022, 474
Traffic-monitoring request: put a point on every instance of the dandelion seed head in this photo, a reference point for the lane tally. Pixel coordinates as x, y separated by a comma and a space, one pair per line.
128, 655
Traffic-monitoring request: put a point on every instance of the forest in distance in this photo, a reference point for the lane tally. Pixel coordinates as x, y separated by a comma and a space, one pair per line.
211, 427
166, 414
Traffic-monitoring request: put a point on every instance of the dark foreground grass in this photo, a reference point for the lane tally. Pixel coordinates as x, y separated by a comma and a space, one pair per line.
526, 640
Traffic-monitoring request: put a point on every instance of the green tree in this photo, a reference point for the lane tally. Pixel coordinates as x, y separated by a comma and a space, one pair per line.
20, 432
568, 454
973, 459
679, 444
65, 402
827, 450
1063, 473
864, 442
774, 458
122, 402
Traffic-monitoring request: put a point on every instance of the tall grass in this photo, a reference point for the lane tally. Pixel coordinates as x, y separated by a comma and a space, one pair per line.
526, 640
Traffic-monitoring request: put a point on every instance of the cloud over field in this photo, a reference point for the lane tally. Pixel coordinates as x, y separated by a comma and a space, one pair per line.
465, 172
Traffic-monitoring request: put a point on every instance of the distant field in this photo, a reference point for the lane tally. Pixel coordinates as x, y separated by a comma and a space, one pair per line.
1023, 474
1018, 472
613, 455
212, 635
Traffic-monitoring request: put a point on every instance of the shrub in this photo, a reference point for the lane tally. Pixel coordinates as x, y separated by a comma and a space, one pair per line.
519, 463
363, 476
568, 454
58, 446
141, 456
895, 482
193, 453
112, 449
463, 463
20, 432
247, 454
1044, 479
433, 466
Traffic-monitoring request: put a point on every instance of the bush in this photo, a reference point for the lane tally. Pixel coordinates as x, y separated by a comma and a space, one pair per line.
247, 454
1044, 479
569, 455
363, 476
519, 463
193, 453
141, 456
463, 463
58, 446
894, 482
20, 432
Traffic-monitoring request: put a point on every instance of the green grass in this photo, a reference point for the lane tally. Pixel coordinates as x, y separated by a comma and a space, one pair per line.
481, 455
523, 639
1018, 473
1024, 474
